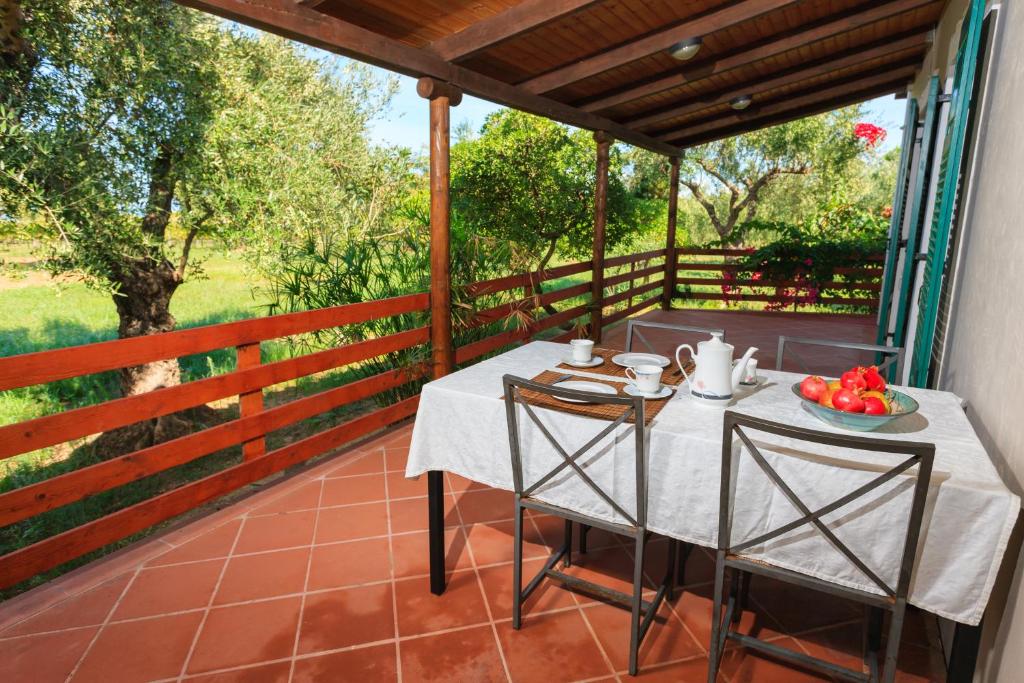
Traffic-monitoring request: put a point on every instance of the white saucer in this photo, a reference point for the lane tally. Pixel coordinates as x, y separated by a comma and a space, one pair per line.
627, 360
592, 363
665, 392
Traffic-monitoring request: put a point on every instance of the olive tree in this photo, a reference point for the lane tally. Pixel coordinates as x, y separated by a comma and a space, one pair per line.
729, 178
128, 130
105, 117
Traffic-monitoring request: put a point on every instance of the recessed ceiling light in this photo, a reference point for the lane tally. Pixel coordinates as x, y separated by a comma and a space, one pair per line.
685, 49
740, 103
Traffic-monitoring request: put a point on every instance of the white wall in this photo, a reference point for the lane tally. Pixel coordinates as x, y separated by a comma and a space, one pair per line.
984, 361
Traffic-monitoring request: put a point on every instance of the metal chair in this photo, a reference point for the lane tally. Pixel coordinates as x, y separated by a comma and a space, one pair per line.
893, 355
643, 612
730, 554
633, 331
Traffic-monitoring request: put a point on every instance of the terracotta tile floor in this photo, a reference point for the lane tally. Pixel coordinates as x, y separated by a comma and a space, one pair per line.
322, 577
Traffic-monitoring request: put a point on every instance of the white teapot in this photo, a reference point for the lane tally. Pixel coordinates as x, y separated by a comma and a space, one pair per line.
716, 376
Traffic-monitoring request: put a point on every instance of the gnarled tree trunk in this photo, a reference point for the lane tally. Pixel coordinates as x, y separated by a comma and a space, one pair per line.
143, 307
145, 285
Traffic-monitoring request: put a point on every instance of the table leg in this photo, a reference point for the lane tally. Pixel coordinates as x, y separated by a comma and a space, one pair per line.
435, 513
963, 655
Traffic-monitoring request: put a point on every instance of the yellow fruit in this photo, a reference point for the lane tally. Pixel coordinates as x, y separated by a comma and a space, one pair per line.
834, 385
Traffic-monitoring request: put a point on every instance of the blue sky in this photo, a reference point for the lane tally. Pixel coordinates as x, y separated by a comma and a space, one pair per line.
406, 122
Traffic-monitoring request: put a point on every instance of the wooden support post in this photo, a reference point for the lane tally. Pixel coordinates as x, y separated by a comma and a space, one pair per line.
248, 356
669, 283
442, 97
604, 141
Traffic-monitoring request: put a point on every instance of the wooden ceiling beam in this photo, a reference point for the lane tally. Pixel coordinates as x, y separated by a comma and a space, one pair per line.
874, 12
901, 73
734, 13
895, 87
524, 17
787, 77
291, 20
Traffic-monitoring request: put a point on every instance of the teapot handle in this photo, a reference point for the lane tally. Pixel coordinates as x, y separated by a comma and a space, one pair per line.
680, 363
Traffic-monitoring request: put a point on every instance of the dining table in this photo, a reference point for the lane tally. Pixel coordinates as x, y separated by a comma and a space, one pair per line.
461, 427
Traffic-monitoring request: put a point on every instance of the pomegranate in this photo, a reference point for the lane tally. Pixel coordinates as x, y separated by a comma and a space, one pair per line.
813, 387
848, 401
853, 380
874, 381
875, 406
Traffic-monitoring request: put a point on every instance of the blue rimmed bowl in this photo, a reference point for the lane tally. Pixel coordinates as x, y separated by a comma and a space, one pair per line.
902, 405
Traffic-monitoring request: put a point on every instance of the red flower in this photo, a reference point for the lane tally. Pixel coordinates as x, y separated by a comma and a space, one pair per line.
887, 212
869, 133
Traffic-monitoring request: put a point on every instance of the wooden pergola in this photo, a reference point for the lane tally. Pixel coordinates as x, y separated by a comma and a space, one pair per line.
620, 68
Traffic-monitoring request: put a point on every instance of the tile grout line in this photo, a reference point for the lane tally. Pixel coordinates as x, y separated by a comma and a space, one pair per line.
480, 587
209, 602
96, 636
391, 569
305, 583
590, 627
672, 608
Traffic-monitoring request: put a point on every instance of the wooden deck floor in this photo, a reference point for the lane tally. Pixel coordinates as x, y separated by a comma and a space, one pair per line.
744, 329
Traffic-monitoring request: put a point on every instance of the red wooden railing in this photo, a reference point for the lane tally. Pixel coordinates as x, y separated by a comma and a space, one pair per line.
528, 304
709, 271
254, 422
632, 283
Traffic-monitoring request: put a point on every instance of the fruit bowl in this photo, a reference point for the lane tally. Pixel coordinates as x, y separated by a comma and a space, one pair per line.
902, 405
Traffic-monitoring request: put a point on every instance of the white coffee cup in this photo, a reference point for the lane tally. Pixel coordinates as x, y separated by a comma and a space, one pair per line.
750, 372
646, 378
581, 350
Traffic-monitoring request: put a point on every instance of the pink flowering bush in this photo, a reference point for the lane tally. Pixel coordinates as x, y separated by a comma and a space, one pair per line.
870, 134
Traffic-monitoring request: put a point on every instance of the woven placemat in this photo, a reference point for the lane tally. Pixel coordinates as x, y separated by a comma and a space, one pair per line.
671, 376
598, 411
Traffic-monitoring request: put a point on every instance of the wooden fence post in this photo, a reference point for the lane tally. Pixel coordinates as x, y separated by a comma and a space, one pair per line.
604, 141
669, 281
248, 356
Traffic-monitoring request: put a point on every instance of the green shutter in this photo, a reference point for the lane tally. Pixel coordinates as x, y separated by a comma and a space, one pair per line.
916, 217
947, 192
896, 223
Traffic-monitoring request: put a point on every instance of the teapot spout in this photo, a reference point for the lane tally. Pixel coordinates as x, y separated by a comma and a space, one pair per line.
741, 366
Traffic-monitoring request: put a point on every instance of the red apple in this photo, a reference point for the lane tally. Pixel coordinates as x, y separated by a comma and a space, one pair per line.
813, 387
853, 380
875, 406
874, 381
848, 401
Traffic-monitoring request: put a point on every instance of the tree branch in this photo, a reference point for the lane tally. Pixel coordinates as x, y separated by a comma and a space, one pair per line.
185, 250
710, 170
709, 208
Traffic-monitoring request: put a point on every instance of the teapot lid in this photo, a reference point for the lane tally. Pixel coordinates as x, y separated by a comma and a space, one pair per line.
715, 342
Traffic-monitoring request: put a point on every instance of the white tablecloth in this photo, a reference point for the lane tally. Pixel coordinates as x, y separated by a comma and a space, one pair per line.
461, 428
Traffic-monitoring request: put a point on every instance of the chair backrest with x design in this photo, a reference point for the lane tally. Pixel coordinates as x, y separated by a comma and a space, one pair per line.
891, 356
632, 407
917, 454
634, 332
